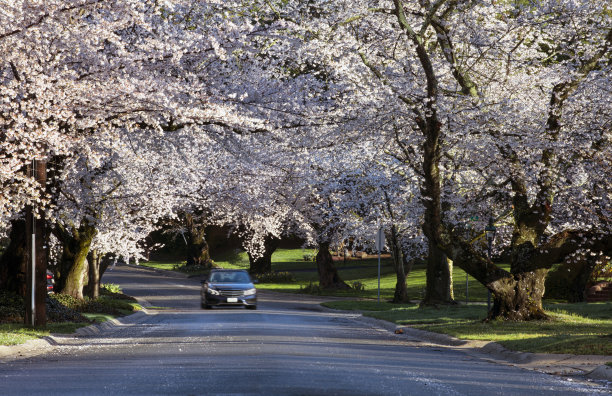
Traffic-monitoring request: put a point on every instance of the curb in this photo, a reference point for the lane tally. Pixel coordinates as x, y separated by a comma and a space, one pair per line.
39, 346
28, 349
111, 325
158, 270
592, 367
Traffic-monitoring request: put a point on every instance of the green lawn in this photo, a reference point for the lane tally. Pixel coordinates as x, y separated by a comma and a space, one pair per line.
355, 270
108, 306
582, 329
364, 271
15, 334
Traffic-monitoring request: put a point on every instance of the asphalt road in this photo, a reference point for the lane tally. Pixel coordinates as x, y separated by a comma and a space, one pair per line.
289, 346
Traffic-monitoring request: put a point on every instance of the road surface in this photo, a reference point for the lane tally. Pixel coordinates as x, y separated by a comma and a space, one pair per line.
289, 346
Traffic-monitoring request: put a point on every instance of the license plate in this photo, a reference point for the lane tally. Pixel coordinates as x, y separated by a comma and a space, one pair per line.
232, 299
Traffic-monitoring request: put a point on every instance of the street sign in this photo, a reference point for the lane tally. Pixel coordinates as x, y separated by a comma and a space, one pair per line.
380, 239
380, 244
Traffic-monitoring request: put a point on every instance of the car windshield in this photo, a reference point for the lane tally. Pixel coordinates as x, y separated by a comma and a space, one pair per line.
230, 277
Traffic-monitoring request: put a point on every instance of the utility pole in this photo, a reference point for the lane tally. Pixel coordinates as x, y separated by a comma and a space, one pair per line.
36, 295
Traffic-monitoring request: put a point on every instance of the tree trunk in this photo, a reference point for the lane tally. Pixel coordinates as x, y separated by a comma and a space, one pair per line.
328, 274
105, 262
197, 248
439, 278
263, 264
518, 294
74, 259
519, 297
13, 262
400, 296
92, 290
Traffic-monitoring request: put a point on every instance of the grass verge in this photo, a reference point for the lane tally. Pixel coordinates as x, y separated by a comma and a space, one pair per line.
65, 314
579, 329
15, 334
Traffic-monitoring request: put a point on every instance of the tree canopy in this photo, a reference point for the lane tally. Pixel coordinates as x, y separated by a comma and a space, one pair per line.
322, 119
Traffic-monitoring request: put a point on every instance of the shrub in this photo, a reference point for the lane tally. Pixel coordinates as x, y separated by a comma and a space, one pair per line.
311, 288
308, 257
107, 304
12, 307
57, 312
571, 279
65, 308
70, 302
358, 286
276, 277
602, 271
104, 291
111, 287
194, 269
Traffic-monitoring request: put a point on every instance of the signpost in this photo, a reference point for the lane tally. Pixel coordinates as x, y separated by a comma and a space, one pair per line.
380, 244
37, 261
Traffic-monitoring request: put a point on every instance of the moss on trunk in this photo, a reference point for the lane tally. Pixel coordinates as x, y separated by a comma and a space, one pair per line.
519, 297
439, 285
74, 259
198, 252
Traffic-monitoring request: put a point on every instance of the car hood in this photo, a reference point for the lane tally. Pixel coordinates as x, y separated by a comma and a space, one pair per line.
243, 286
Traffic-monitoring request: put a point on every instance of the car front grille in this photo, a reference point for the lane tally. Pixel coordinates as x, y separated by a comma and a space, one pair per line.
231, 292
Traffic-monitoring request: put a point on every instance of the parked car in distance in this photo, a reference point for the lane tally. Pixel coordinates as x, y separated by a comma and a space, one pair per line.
50, 282
228, 287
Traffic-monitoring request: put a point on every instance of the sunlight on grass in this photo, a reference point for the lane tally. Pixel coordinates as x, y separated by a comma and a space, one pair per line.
98, 317
15, 334
168, 266
584, 329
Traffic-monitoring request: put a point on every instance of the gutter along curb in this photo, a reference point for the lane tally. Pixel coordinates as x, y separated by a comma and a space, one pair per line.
590, 366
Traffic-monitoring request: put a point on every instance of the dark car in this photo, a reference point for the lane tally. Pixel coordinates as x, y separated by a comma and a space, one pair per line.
228, 287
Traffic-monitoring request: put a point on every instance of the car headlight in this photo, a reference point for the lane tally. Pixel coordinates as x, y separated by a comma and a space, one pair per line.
249, 292
213, 291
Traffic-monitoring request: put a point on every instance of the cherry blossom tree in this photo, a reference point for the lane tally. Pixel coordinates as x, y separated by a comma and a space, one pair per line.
73, 69
318, 118
462, 81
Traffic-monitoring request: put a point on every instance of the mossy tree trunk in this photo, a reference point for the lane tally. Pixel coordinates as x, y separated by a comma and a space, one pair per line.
439, 280
517, 294
74, 267
439, 284
198, 252
400, 294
